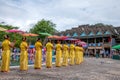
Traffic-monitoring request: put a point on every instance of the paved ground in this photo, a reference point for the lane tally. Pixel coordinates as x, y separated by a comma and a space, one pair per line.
90, 69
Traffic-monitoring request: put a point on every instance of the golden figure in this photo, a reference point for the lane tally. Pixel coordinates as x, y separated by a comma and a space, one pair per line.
6, 45
65, 55
24, 55
38, 55
58, 54
49, 47
72, 54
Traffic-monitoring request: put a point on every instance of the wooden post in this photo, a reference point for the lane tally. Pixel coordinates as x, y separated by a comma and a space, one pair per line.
95, 44
110, 44
87, 47
102, 43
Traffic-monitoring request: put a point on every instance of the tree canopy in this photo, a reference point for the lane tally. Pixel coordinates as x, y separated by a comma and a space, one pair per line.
8, 26
43, 26
13, 36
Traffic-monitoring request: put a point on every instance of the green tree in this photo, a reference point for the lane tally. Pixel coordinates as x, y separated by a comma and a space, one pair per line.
8, 26
44, 26
13, 36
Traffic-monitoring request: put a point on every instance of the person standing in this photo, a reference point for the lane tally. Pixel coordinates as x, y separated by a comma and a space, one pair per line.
65, 55
77, 54
49, 47
6, 45
81, 53
38, 55
24, 55
107, 53
58, 54
72, 53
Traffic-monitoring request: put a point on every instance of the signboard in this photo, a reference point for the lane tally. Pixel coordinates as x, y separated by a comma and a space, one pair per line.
94, 47
106, 45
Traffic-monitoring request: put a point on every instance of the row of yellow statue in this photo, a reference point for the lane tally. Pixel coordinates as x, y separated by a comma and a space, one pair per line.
75, 54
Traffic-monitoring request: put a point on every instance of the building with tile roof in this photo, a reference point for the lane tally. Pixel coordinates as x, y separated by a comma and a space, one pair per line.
98, 37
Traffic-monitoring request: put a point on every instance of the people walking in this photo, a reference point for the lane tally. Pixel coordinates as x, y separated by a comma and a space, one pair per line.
24, 55
49, 47
58, 54
6, 45
38, 55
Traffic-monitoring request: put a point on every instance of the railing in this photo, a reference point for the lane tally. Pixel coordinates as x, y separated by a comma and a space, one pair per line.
95, 44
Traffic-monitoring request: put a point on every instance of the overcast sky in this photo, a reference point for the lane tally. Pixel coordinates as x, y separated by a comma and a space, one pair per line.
64, 13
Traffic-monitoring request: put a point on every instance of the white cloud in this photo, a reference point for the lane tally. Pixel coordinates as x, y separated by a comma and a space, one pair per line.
64, 13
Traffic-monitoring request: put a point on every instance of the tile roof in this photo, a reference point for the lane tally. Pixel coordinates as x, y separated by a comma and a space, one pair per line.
87, 29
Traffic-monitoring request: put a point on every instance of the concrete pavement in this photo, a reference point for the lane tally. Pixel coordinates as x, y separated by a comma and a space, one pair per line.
90, 69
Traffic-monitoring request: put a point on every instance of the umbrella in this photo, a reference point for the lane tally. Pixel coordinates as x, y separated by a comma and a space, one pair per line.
54, 36
116, 47
63, 37
58, 37
84, 44
45, 34
71, 39
2, 29
29, 34
14, 31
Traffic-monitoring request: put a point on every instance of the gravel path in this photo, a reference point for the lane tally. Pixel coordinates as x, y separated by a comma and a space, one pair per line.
90, 69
